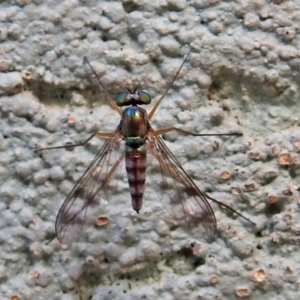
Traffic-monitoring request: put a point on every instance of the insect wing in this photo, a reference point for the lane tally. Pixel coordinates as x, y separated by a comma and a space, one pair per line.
82, 206
182, 199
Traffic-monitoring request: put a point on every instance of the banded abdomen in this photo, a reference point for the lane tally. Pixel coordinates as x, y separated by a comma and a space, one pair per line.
135, 161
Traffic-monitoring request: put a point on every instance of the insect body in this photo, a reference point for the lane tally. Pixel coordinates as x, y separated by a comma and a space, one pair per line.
184, 201
134, 127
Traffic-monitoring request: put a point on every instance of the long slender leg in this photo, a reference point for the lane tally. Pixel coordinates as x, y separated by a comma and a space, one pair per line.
108, 98
113, 168
150, 115
100, 134
166, 130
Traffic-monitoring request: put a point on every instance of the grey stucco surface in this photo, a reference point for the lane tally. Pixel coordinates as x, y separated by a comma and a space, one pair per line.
242, 76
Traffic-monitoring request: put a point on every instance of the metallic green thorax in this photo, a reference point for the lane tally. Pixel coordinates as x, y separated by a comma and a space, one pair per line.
134, 126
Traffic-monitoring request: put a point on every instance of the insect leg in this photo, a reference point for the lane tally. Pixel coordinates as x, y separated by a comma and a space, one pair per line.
108, 98
166, 130
100, 134
150, 115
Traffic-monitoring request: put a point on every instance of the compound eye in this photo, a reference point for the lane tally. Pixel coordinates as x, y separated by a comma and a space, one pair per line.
144, 97
122, 99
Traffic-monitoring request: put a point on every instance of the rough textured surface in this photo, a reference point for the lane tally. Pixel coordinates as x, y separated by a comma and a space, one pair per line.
243, 75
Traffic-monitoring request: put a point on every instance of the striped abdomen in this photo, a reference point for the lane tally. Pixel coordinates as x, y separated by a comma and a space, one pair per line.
135, 161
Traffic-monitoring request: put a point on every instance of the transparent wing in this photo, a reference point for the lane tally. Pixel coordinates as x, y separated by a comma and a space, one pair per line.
182, 199
82, 205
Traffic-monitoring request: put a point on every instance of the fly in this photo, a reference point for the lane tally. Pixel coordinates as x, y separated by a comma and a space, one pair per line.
180, 196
